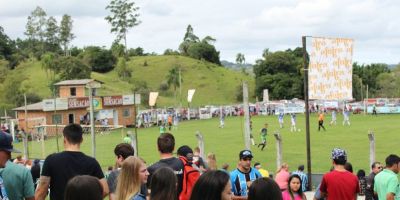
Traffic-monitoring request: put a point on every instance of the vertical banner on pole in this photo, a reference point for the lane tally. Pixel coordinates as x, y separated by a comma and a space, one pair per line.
246, 115
153, 98
190, 95
330, 69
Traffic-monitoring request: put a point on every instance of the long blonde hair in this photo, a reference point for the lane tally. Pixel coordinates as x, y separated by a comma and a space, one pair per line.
212, 161
129, 178
283, 166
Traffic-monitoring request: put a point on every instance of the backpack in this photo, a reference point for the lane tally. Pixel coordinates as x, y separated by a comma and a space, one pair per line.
190, 176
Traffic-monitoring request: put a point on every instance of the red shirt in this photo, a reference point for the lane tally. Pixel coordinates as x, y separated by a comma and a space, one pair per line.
340, 185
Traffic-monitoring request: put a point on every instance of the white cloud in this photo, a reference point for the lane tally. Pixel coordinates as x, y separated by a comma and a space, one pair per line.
239, 26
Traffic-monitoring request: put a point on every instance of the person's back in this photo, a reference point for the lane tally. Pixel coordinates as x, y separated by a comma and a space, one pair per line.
340, 185
17, 181
166, 145
63, 166
59, 168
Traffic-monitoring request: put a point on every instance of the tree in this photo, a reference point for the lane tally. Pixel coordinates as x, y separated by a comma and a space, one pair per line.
240, 58
51, 34
123, 17
7, 46
280, 72
123, 71
99, 59
204, 51
188, 39
66, 35
174, 78
36, 32
72, 68
49, 64
36, 25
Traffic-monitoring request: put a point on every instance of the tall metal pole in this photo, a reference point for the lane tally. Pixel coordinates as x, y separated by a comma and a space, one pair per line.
92, 122
305, 62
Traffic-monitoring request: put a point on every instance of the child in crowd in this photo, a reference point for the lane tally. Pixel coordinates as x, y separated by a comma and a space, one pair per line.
294, 191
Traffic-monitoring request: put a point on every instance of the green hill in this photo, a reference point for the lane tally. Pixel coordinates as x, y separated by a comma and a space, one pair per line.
214, 84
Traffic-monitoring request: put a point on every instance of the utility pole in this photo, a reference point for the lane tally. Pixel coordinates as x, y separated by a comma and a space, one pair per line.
308, 143
26, 150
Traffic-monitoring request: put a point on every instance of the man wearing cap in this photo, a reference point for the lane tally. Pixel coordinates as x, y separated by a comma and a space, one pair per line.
59, 168
15, 180
243, 176
386, 182
339, 183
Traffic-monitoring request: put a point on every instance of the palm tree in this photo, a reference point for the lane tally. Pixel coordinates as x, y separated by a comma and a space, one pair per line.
240, 58
174, 78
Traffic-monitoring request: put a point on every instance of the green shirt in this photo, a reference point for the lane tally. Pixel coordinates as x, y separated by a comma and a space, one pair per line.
127, 140
17, 181
386, 182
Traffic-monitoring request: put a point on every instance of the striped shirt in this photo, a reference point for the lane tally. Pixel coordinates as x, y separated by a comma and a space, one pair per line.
304, 179
241, 180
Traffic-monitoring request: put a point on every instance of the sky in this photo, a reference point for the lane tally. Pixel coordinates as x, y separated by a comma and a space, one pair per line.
246, 27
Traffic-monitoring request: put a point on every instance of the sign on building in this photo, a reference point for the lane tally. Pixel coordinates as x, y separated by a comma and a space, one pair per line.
60, 104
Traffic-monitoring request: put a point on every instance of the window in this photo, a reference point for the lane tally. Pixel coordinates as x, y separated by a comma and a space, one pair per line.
72, 91
127, 112
56, 119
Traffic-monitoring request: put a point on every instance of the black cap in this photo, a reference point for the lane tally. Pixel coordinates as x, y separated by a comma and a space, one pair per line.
245, 154
184, 150
6, 143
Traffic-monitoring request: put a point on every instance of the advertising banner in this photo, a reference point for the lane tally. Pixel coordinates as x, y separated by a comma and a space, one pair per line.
61, 104
330, 69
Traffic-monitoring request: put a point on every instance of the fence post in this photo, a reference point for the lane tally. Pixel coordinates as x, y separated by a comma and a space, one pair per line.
371, 138
278, 149
133, 142
200, 141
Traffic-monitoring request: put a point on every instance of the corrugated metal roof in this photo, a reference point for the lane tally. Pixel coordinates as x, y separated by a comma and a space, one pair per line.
77, 82
35, 106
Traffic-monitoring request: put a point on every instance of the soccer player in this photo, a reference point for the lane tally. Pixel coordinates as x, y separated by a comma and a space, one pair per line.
293, 120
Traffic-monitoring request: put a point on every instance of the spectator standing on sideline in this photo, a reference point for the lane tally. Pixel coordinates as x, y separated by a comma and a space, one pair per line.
122, 151
264, 189
6, 148
163, 185
243, 176
212, 185
386, 182
303, 177
83, 187
263, 172
166, 145
362, 181
35, 172
282, 176
133, 175
369, 190
339, 183
60, 167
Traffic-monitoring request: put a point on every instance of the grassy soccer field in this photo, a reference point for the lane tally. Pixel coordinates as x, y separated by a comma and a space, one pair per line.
227, 142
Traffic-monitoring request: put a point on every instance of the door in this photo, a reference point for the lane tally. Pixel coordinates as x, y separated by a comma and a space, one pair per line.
71, 118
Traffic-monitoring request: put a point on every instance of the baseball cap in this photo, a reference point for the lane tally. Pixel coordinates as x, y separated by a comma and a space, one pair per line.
6, 143
245, 154
338, 153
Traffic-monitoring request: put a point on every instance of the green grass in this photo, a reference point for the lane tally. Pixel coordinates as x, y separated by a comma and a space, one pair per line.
227, 142
205, 77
